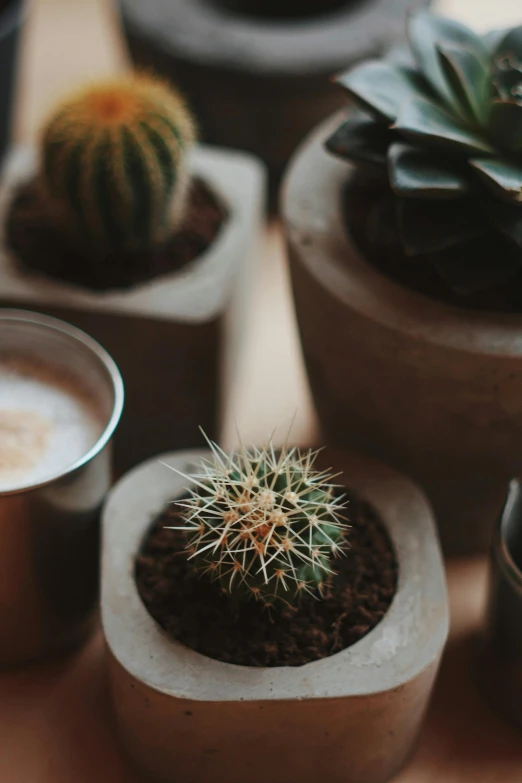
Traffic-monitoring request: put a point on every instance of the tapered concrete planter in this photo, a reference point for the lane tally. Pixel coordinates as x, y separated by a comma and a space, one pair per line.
432, 389
11, 19
174, 338
258, 82
350, 718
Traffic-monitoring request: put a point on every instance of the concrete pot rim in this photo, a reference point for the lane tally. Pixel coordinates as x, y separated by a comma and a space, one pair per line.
311, 210
199, 30
404, 643
193, 294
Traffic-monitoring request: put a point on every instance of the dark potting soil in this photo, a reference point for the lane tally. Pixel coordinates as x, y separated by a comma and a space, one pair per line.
42, 247
358, 201
192, 609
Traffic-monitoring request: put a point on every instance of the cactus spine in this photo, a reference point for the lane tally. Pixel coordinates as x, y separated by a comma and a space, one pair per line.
114, 163
264, 525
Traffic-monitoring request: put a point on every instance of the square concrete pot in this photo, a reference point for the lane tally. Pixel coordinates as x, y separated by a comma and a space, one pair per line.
431, 388
350, 718
258, 80
174, 338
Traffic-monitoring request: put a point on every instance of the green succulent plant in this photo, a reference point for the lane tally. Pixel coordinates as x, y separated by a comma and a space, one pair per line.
264, 524
442, 125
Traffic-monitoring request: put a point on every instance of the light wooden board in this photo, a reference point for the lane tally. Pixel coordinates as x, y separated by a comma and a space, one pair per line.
55, 719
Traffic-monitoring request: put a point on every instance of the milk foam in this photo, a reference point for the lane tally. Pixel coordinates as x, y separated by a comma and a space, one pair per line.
46, 424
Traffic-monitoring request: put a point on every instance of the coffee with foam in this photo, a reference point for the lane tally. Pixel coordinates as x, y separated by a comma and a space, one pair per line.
46, 423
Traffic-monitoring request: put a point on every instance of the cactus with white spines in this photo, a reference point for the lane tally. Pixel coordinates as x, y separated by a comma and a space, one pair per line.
264, 524
113, 168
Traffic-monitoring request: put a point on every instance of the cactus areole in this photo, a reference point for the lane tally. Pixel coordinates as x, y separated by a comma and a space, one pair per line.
436, 139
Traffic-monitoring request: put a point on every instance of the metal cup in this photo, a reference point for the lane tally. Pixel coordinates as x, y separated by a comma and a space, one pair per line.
49, 533
501, 672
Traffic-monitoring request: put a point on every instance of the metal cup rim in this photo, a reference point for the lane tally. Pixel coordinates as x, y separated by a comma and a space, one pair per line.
507, 562
56, 324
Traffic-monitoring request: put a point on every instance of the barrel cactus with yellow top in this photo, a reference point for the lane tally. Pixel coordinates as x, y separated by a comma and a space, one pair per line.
114, 163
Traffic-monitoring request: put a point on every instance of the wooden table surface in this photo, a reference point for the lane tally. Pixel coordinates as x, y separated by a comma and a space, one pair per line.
55, 719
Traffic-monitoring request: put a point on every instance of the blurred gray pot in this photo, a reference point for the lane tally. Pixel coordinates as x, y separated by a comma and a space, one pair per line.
259, 80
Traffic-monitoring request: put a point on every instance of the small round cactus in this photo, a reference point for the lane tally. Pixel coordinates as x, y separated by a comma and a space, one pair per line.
264, 525
114, 166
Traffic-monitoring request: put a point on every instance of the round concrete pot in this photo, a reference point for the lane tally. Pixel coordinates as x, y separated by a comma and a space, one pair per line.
11, 17
350, 718
175, 338
259, 83
501, 648
433, 389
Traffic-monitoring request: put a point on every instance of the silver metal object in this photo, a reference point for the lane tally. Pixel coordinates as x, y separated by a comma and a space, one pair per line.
501, 672
49, 533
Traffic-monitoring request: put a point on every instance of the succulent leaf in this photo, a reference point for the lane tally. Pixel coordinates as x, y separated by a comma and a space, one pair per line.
511, 43
437, 226
507, 78
382, 87
426, 123
416, 173
492, 38
504, 178
362, 141
426, 33
402, 56
469, 78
